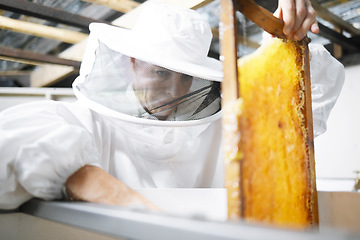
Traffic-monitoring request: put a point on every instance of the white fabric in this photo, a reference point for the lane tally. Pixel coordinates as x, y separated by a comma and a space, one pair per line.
175, 38
43, 143
104, 81
327, 79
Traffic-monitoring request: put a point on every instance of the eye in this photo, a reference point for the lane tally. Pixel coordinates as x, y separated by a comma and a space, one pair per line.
163, 73
186, 78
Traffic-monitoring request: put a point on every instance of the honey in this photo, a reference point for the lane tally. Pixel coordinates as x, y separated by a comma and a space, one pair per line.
273, 170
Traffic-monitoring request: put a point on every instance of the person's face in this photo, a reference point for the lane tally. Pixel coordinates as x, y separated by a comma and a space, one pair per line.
156, 86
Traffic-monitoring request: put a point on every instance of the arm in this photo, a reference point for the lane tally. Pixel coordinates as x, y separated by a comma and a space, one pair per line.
92, 184
42, 145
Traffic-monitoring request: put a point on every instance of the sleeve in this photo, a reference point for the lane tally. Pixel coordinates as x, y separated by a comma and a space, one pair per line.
41, 145
327, 79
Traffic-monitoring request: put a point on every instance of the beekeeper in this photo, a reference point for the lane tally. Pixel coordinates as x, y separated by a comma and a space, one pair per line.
148, 114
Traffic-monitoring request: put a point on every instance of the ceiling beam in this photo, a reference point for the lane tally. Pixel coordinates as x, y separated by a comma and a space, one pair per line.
35, 58
200, 4
240, 39
338, 38
63, 35
126, 6
46, 75
47, 13
350, 59
325, 14
123, 6
49, 74
15, 73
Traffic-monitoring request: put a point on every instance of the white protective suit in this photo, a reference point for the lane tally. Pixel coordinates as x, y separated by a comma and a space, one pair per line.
43, 143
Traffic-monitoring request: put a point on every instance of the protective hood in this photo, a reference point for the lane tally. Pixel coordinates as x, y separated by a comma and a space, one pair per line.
161, 81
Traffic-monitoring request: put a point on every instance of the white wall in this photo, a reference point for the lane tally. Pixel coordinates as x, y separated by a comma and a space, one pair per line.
14, 96
337, 151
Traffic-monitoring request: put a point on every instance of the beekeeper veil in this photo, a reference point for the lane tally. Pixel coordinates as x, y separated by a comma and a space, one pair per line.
159, 70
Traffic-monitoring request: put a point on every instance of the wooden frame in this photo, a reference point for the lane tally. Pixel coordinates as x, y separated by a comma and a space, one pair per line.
233, 124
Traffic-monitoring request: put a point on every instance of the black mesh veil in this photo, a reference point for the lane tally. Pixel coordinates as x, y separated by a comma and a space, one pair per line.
144, 90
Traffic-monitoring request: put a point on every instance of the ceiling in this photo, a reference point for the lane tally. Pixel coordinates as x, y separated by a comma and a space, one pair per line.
42, 41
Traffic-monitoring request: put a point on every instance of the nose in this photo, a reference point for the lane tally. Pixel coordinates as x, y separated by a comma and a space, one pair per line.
176, 87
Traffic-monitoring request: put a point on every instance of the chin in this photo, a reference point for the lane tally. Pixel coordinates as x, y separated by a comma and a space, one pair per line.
162, 115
